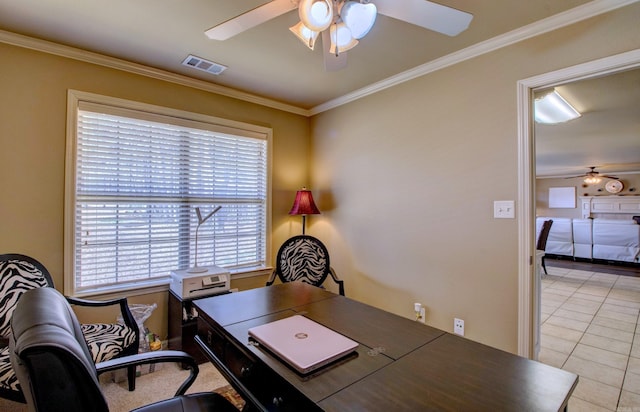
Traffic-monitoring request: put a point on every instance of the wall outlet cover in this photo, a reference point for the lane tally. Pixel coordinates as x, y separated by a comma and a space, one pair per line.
458, 326
423, 315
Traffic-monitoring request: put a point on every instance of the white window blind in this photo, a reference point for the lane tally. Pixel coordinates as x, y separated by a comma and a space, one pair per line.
138, 180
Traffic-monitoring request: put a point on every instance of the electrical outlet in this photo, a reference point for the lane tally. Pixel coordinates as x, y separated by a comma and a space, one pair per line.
458, 326
420, 312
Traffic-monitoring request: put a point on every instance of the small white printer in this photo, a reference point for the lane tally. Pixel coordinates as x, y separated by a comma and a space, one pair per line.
191, 285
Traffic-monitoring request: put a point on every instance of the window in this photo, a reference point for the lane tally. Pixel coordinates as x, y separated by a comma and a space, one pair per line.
136, 173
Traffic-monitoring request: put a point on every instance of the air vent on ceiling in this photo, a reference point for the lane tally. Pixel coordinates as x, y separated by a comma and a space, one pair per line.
204, 65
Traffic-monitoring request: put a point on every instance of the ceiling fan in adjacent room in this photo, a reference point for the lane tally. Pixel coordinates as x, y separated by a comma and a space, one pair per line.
341, 23
592, 177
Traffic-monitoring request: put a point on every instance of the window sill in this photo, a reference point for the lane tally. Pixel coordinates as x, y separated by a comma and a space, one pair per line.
250, 272
159, 285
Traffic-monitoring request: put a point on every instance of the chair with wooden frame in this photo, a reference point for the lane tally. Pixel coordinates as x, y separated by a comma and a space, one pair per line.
305, 259
19, 274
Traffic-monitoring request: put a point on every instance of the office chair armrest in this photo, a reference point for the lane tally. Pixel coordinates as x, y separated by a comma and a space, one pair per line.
252, 402
127, 316
161, 356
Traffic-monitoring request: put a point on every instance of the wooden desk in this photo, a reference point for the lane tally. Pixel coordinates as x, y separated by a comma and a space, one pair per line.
181, 329
400, 364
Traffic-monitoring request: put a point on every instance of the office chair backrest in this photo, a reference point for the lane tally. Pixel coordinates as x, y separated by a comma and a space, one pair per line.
50, 356
544, 234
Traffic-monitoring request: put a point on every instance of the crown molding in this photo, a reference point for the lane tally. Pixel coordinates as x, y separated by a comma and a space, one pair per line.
554, 22
127, 66
557, 21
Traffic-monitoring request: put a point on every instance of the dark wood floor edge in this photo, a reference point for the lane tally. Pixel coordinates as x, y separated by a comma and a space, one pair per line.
594, 265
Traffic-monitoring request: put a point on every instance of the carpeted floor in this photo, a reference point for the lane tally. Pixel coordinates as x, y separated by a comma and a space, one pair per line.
151, 387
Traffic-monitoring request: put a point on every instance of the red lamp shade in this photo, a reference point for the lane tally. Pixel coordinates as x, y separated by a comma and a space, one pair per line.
304, 205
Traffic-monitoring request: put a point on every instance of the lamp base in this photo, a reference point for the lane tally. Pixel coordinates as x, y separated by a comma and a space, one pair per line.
197, 269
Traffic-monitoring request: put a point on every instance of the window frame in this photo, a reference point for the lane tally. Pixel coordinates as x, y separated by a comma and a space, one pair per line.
76, 98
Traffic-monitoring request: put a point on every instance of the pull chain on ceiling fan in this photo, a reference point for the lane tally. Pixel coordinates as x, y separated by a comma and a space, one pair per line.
346, 21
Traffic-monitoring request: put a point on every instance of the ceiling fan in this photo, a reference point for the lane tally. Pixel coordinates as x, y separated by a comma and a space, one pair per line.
593, 177
341, 23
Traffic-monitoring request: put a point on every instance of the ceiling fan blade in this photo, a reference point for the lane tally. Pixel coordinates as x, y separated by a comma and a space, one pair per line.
423, 13
250, 19
332, 62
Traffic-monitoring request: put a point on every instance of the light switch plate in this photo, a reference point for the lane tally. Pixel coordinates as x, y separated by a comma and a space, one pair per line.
504, 209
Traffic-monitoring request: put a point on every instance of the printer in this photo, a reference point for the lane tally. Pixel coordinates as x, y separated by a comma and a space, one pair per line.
192, 285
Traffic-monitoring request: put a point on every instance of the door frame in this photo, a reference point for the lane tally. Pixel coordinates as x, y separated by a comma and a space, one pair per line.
527, 290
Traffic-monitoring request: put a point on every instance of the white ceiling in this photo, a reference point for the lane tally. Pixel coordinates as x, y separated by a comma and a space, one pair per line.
607, 135
268, 61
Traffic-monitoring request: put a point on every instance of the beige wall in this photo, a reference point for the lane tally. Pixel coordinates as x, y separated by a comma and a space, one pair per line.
33, 93
407, 178
631, 188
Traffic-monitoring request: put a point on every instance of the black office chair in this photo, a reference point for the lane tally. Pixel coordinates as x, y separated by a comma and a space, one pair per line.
304, 258
56, 369
19, 274
542, 240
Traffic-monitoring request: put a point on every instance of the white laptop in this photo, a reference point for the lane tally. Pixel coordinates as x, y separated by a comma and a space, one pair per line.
302, 343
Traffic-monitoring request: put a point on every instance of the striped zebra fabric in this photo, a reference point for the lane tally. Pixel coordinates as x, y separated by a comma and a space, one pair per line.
8, 380
107, 340
16, 277
304, 259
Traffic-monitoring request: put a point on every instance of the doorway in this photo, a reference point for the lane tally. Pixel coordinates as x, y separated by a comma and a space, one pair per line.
529, 285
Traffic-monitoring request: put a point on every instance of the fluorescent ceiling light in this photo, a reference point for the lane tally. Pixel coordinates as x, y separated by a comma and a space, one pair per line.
553, 108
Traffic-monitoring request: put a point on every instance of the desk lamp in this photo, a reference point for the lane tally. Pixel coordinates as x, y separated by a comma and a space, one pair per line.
196, 268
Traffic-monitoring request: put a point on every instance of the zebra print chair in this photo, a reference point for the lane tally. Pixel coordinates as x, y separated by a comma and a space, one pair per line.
51, 357
305, 259
18, 274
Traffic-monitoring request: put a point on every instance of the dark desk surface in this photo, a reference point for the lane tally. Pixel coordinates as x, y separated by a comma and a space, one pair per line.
400, 365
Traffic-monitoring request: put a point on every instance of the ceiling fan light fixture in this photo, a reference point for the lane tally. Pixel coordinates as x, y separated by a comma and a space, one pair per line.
552, 108
341, 38
592, 180
316, 15
358, 17
305, 34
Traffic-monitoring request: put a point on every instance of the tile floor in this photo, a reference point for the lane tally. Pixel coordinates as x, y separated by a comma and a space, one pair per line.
589, 326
